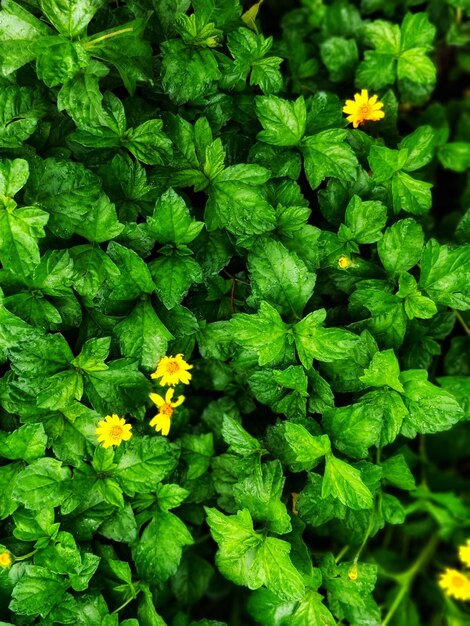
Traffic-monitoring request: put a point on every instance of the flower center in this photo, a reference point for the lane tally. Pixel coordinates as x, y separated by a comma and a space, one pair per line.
363, 112
115, 432
457, 581
173, 367
167, 410
5, 559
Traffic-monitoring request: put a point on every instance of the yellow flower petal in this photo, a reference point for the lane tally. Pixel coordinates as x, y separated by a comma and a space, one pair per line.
178, 402
113, 430
6, 559
156, 399
464, 553
363, 109
161, 423
172, 370
455, 584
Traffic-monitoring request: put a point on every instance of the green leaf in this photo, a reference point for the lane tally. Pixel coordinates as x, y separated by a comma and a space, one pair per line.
13, 176
238, 439
21, 109
445, 274
171, 221
279, 277
197, 451
8, 476
324, 344
173, 276
459, 387
420, 145
37, 591
284, 122
20, 229
261, 494
401, 246
143, 335
383, 370
306, 449
313, 508
124, 47
364, 221
148, 143
340, 57
354, 428
385, 162
158, 552
416, 75
146, 461
121, 388
455, 156
187, 73
43, 483
27, 443
417, 31
58, 60
134, 279
42, 355
70, 17
264, 332
236, 201
93, 355
66, 190
101, 223
266, 74
327, 154
311, 611
344, 482
171, 496
247, 558
192, 579
19, 30
92, 268
397, 472
431, 409
410, 194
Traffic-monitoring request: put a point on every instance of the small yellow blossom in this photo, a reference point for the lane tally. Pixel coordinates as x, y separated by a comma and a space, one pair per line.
363, 109
353, 572
344, 262
6, 559
162, 421
455, 584
464, 553
113, 430
172, 370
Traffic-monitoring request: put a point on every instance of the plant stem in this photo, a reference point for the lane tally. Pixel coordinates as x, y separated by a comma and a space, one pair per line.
124, 604
90, 44
462, 322
407, 578
25, 556
341, 553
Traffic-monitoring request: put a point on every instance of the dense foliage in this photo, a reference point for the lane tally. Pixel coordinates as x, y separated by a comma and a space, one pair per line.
178, 177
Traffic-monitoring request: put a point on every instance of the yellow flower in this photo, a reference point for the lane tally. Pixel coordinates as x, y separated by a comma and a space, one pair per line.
464, 553
162, 421
344, 262
6, 559
455, 584
172, 370
363, 109
112, 430
353, 572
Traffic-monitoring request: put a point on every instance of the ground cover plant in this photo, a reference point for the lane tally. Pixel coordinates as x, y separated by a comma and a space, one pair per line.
234, 328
